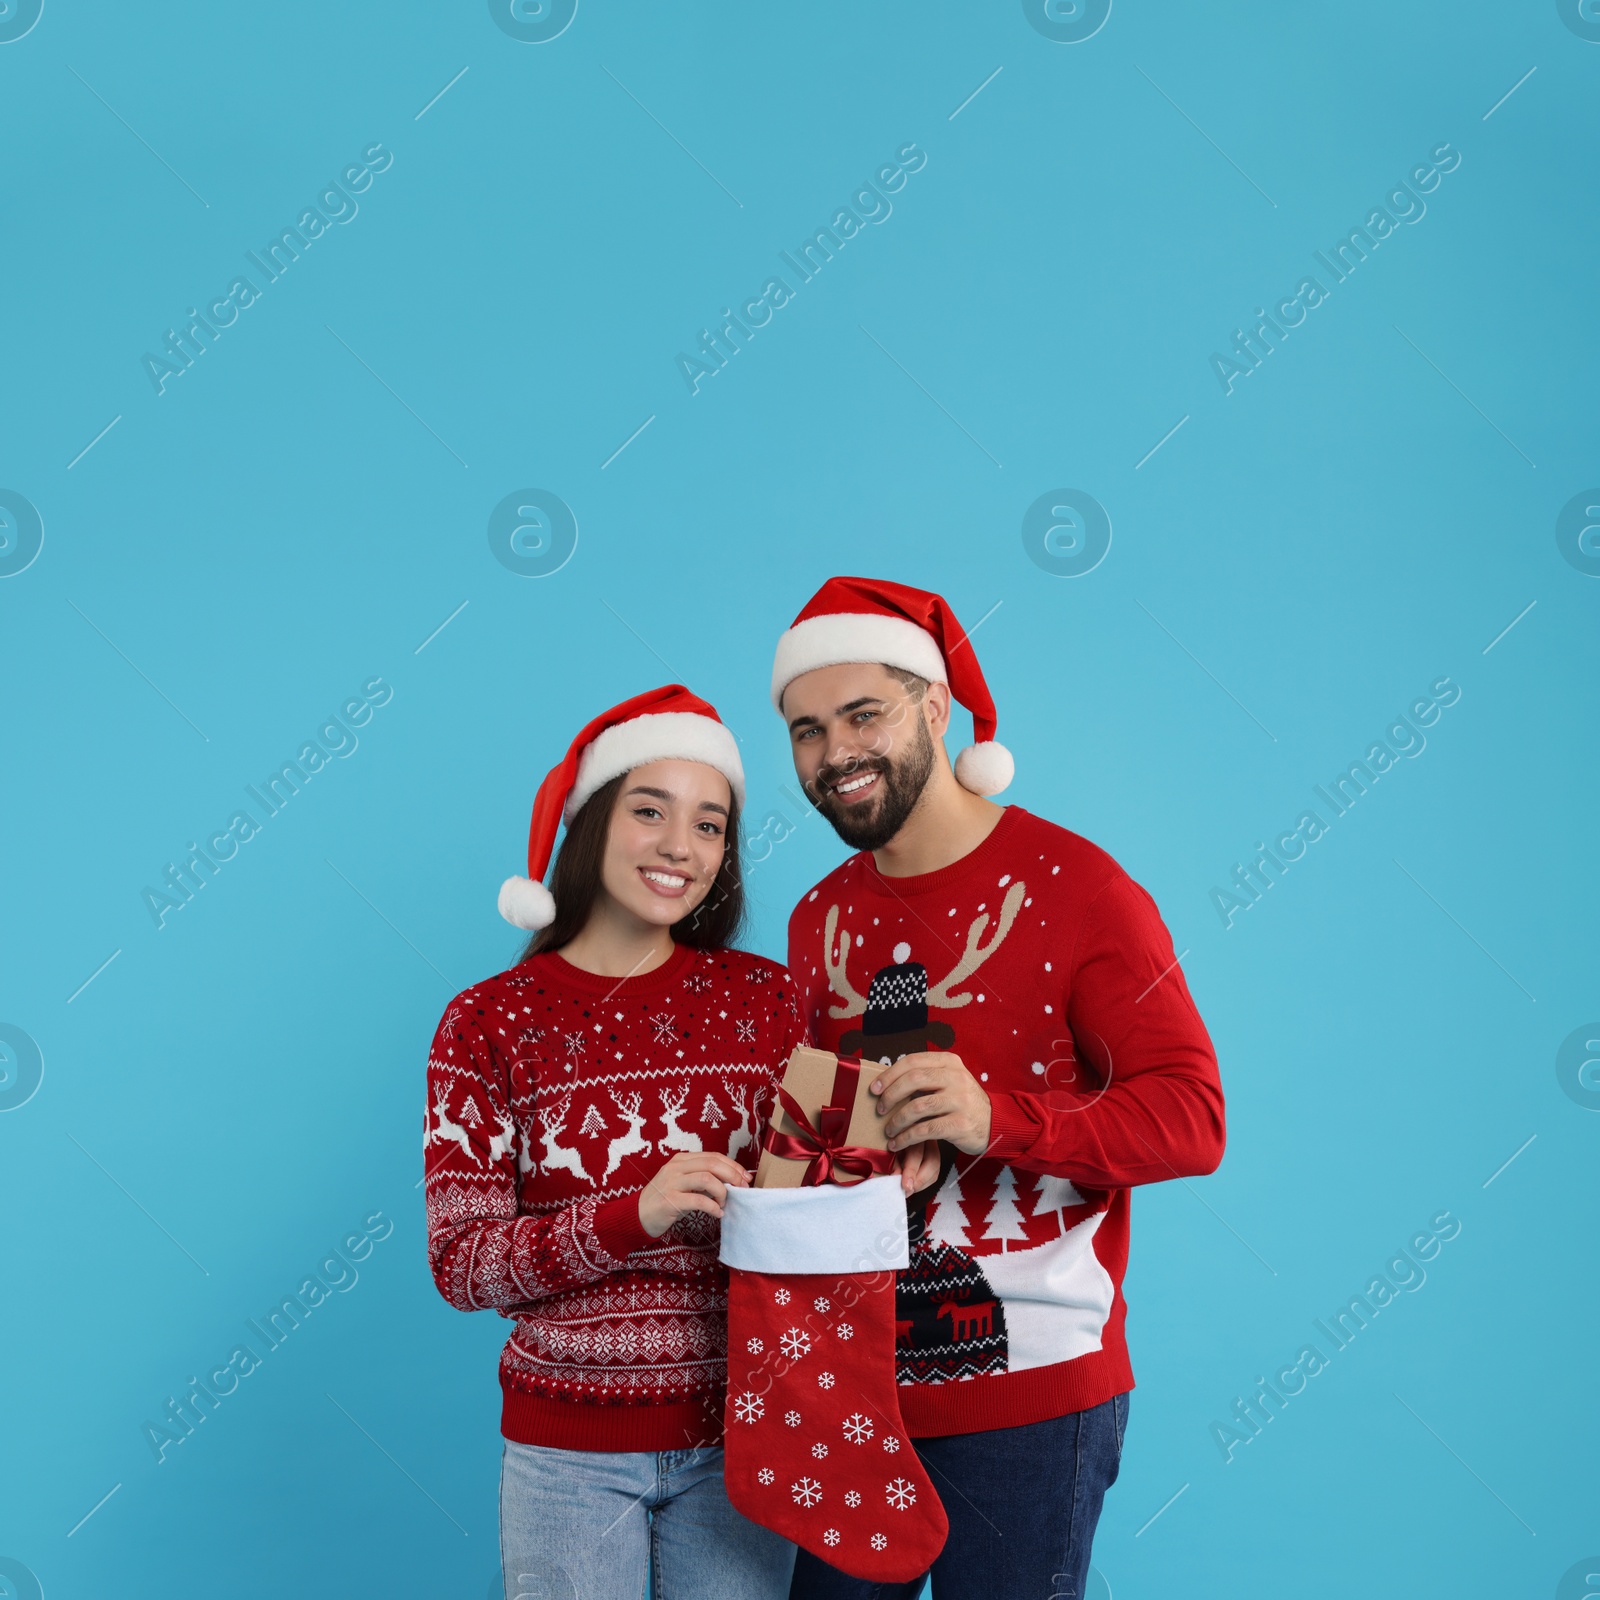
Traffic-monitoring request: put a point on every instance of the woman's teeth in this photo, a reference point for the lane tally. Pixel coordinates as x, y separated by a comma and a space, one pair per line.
667, 880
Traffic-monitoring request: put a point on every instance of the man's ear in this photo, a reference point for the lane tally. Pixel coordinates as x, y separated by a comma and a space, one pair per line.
936, 708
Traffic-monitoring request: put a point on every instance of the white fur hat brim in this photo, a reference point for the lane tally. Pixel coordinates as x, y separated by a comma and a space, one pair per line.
660, 736
838, 638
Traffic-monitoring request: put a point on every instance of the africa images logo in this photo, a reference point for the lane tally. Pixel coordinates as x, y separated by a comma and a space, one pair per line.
1402, 204
335, 203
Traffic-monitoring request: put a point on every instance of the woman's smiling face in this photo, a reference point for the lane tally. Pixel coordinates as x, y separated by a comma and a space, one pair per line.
666, 840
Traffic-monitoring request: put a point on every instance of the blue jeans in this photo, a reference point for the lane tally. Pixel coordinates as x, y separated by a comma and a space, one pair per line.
592, 1524
1023, 1504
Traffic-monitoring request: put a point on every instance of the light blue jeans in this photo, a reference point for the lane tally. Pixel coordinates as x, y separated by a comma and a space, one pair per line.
592, 1524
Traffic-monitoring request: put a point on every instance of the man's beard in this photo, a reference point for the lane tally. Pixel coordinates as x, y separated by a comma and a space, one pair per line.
900, 785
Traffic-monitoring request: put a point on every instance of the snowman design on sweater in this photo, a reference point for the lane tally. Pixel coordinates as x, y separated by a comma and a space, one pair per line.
948, 1321
974, 1248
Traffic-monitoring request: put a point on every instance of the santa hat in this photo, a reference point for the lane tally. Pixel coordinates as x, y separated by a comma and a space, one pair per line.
867, 619
662, 724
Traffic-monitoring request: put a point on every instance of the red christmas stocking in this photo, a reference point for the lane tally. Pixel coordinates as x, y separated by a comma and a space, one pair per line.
814, 1447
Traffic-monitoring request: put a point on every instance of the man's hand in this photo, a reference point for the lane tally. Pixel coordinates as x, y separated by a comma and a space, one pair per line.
931, 1095
693, 1180
919, 1167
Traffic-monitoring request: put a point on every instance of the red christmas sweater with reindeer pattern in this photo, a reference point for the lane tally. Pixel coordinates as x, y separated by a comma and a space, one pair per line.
1041, 964
553, 1096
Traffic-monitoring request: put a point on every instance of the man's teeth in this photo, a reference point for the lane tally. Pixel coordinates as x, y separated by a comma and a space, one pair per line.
850, 785
669, 880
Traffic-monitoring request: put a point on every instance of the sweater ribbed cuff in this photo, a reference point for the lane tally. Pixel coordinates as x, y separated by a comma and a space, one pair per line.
617, 1227
1011, 1130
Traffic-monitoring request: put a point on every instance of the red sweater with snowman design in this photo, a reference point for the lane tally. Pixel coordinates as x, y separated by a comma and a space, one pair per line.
554, 1095
1048, 970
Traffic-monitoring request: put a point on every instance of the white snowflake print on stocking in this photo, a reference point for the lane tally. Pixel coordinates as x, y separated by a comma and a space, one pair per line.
749, 1407
818, 1423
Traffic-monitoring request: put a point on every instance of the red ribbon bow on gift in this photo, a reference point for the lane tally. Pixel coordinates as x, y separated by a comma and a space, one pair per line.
824, 1144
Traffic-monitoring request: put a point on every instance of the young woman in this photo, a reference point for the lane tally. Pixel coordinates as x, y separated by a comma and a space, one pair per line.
587, 1111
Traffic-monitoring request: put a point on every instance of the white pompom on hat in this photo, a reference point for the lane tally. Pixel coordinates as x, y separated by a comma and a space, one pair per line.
871, 619
664, 724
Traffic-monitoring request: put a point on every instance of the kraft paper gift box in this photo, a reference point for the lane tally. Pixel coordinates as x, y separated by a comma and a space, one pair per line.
809, 1079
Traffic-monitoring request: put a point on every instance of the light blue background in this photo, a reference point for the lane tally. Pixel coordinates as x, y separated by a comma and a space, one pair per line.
238, 1090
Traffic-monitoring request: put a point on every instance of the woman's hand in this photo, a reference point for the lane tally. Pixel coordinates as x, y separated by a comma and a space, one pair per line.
693, 1180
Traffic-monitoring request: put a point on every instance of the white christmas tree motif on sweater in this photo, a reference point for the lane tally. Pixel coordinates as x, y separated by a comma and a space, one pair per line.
711, 1114
593, 1123
1005, 1220
947, 1222
1054, 1196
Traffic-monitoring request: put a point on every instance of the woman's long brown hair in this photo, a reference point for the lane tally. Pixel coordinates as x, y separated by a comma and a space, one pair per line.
575, 882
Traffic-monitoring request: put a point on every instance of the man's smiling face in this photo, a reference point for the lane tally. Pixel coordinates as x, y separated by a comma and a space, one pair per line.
863, 747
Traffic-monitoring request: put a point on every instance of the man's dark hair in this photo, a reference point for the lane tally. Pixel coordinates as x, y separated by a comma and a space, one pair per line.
575, 882
913, 685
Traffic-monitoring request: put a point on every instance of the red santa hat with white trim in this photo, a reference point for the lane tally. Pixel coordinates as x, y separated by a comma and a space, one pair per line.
662, 724
870, 619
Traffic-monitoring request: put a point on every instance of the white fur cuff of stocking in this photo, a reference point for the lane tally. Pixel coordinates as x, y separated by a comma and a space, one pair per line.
859, 1227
